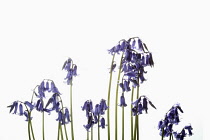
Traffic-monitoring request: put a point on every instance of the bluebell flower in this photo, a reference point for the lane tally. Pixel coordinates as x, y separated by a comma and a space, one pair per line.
88, 107
71, 70
102, 122
54, 89
17, 106
189, 128
97, 110
27, 116
90, 122
30, 105
103, 106
39, 105
20, 109
122, 101
13, 106
63, 118
141, 105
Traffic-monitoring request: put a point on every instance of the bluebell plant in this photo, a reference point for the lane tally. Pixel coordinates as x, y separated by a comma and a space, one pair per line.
172, 118
94, 116
71, 69
135, 56
24, 109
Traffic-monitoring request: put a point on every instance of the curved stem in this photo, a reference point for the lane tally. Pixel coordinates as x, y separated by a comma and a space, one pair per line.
116, 98
71, 112
109, 90
132, 113
29, 133
31, 127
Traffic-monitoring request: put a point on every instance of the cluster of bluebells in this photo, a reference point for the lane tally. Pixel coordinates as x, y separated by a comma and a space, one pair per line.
183, 133
93, 115
45, 86
172, 118
71, 70
17, 107
53, 104
141, 105
135, 57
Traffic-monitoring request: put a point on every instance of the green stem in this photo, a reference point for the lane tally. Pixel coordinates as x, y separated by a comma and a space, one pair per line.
87, 135
136, 130
98, 127
138, 115
116, 98
61, 131
162, 134
132, 113
122, 122
92, 133
31, 127
58, 137
170, 138
109, 90
29, 133
43, 137
71, 112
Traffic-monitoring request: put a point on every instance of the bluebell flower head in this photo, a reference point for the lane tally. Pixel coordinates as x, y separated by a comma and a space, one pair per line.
103, 106
90, 122
71, 70
141, 105
189, 128
97, 110
27, 116
14, 107
88, 107
102, 123
122, 101
30, 105
20, 109
39, 105
63, 118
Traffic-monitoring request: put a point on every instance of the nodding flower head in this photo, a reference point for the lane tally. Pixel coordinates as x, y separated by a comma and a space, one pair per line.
88, 107
44, 86
103, 106
122, 101
71, 70
102, 123
141, 105
63, 117
183, 133
18, 108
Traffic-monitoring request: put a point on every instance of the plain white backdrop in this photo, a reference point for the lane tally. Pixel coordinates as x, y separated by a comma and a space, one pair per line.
36, 37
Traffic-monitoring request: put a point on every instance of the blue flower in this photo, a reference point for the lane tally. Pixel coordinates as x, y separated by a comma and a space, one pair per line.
102, 122
13, 106
88, 107
189, 128
20, 109
27, 116
30, 105
90, 122
139, 105
63, 118
71, 70
122, 101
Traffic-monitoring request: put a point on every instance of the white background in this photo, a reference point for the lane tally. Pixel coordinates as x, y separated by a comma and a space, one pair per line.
36, 37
